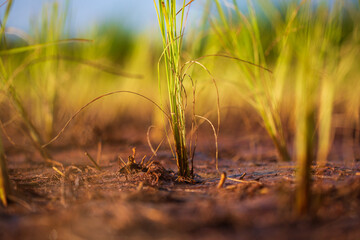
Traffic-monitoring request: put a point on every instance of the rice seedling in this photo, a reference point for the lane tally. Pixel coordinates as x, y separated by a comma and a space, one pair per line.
45, 77
115, 48
319, 77
8, 73
4, 177
308, 44
172, 34
240, 36
319, 56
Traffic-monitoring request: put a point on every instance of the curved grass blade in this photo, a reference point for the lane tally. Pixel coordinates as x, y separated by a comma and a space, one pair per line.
94, 100
40, 46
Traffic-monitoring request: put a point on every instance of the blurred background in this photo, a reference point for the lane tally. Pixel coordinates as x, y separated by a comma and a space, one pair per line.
313, 42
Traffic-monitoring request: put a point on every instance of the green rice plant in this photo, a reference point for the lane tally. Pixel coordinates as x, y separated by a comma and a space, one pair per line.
8, 73
172, 34
114, 47
240, 36
304, 134
306, 91
351, 87
305, 42
4, 177
330, 65
340, 71
9, 89
45, 77
323, 57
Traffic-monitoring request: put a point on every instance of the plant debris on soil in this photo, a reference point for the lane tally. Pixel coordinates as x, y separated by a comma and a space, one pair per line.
141, 199
149, 172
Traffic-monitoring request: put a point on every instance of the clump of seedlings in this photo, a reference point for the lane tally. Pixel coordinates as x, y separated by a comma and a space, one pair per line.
172, 35
172, 27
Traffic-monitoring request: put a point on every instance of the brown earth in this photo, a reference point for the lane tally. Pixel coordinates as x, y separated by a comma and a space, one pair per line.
77, 201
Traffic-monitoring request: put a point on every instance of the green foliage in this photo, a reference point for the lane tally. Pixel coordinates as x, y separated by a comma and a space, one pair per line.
323, 59
44, 76
171, 32
241, 37
312, 49
4, 177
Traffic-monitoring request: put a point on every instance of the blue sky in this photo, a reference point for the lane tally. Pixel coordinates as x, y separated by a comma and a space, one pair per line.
87, 13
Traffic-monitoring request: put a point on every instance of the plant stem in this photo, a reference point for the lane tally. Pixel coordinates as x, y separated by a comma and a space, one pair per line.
281, 149
31, 130
172, 43
12, 95
4, 177
304, 160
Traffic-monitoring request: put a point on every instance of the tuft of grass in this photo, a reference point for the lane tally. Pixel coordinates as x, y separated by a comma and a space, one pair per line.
240, 36
11, 67
171, 23
4, 177
10, 90
45, 76
321, 57
313, 54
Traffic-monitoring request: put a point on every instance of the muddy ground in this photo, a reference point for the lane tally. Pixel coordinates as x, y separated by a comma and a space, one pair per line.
77, 201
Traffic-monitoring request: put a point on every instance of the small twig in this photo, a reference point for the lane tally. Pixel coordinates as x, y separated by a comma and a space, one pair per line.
58, 171
125, 165
326, 177
149, 164
244, 181
140, 187
242, 176
122, 160
142, 161
99, 151
93, 161
134, 153
222, 180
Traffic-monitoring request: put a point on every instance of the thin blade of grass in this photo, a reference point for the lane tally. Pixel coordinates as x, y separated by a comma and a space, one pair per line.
40, 46
94, 100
